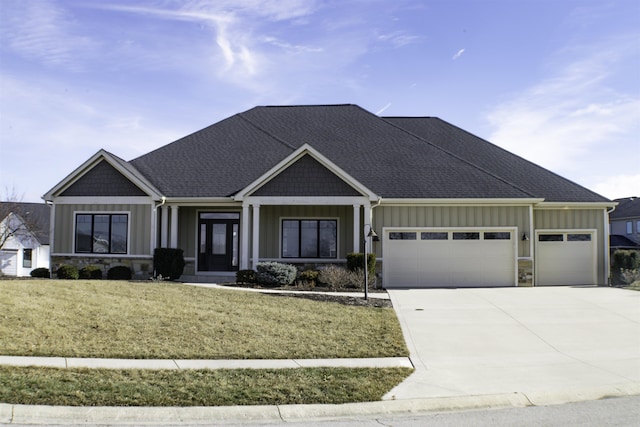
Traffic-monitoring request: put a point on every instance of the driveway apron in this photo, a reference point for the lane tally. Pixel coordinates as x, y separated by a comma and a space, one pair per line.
486, 341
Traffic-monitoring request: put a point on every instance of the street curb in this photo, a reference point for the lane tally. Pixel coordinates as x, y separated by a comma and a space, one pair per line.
51, 415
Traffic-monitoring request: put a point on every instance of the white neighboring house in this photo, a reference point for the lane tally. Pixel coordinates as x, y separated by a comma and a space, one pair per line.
24, 238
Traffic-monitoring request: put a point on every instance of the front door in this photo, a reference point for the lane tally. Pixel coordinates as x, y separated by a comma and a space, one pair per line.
218, 237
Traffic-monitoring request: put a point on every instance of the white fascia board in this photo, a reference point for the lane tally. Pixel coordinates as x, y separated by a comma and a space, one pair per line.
111, 200
295, 156
202, 201
342, 200
574, 205
460, 202
85, 167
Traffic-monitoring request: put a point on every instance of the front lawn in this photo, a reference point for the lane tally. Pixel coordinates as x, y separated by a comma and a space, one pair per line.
117, 319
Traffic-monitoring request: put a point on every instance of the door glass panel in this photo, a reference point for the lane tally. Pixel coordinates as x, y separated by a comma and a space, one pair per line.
203, 238
234, 258
219, 239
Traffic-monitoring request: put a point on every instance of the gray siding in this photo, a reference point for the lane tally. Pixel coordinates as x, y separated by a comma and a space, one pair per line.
103, 180
454, 216
570, 219
139, 224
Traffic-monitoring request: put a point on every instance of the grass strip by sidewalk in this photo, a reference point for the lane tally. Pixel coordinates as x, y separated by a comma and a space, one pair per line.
118, 319
102, 387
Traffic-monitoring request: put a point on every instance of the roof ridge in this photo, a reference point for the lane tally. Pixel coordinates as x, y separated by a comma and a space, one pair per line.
460, 158
278, 139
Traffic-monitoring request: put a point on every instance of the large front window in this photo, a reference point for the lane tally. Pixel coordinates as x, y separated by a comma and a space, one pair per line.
101, 233
309, 238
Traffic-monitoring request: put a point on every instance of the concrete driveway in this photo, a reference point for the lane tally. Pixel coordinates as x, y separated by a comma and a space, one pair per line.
495, 341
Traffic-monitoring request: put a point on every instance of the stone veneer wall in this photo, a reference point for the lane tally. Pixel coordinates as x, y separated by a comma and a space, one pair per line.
141, 268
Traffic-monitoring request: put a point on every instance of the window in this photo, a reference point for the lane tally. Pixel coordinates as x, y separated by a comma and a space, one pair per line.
578, 237
101, 233
26, 258
402, 236
551, 238
629, 227
497, 235
637, 226
466, 236
434, 235
309, 238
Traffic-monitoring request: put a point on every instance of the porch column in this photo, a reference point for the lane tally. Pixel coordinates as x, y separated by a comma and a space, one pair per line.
164, 226
356, 228
174, 226
256, 236
244, 259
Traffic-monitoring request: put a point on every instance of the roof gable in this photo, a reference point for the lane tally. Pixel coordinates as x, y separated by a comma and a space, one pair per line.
104, 174
103, 180
304, 173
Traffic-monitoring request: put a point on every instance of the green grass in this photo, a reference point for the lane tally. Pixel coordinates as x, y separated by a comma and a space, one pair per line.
114, 319
100, 387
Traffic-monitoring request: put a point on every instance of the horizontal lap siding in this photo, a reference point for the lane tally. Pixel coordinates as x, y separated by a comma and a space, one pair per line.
454, 216
572, 219
139, 224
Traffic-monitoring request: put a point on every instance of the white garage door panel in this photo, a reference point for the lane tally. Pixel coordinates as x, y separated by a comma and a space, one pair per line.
566, 262
448, 263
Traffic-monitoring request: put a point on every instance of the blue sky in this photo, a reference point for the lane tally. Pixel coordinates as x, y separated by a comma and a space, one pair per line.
555, 81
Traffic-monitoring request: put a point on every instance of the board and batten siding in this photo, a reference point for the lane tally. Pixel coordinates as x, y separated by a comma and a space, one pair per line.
139, 225
270, 217
454, 216
576, 219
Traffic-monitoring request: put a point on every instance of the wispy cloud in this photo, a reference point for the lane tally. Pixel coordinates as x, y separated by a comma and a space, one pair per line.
42, 31
560, 122
458, 54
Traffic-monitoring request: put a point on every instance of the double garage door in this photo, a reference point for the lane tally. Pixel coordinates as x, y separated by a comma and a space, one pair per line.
456, 257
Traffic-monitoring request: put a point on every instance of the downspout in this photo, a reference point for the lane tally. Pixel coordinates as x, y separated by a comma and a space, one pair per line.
52, 219
607, 248
154, 228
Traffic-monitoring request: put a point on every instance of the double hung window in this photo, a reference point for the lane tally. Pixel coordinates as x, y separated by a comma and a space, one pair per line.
101, 233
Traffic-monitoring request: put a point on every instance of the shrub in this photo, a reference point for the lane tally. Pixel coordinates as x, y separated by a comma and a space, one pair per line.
337, 278
246, 276
308, 277
276, 273
623, 264
66, 271
90, 272
168, 263
119, 272
355, 261
42, 273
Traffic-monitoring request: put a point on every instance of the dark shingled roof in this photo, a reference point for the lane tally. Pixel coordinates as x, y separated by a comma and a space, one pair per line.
628, 207
617, 241
393, 157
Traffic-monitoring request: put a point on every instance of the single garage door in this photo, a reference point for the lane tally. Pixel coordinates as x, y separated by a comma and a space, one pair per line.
565, 258
425, 258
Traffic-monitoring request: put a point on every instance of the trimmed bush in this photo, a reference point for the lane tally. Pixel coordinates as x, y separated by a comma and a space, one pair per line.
119, 272
168, 263
41, 273
308, 277
623, 265
66, 271
276, 273
90, 272
246, 276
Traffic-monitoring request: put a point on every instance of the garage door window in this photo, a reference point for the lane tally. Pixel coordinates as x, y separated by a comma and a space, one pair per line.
466, 236
438, 235
497, 235
402, 235
551, 238
578, 237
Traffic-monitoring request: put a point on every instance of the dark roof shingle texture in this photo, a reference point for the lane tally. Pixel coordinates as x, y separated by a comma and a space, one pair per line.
395, 158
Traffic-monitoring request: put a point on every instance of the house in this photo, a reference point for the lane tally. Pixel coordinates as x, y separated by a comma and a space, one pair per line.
624, 224
307, 184
24, 238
